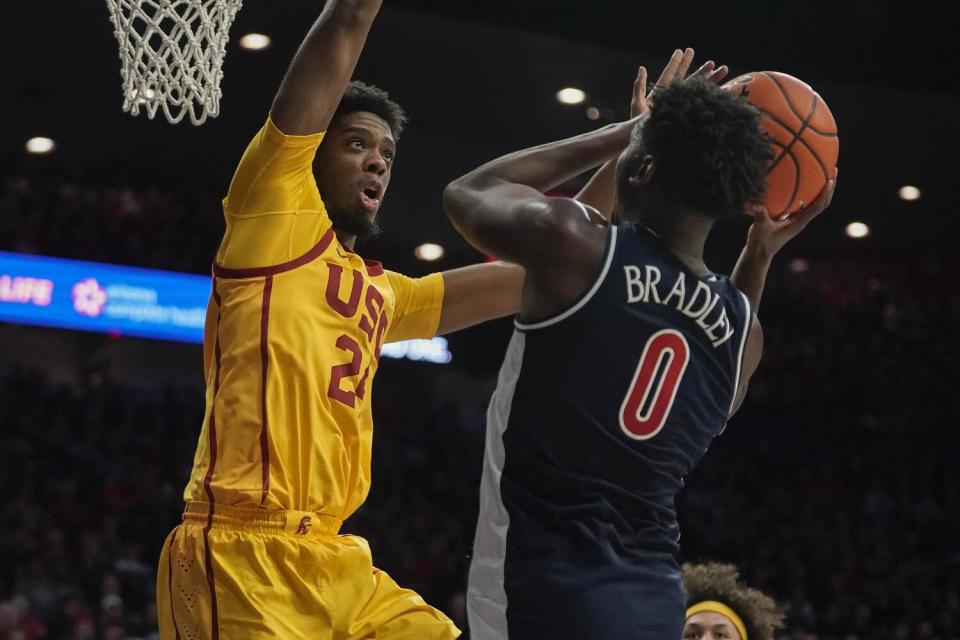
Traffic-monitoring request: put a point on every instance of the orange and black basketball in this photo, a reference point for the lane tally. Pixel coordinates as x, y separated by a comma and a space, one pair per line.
803, 133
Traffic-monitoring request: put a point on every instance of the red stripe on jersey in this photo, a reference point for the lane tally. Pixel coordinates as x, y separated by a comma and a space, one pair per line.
215, 625
264, 360
262, 272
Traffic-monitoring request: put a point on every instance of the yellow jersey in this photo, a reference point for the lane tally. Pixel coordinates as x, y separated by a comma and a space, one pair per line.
296, 323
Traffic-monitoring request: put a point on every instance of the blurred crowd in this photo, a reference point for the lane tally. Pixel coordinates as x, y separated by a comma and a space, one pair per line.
836, 488
175, 229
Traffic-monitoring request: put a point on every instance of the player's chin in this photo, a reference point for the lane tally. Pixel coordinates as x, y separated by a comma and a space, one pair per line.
359, 222
366, 217
369, 229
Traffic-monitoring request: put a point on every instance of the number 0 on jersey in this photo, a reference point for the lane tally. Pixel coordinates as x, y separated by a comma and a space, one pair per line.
647, 405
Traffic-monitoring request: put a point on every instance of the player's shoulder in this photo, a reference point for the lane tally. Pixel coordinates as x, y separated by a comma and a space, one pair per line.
591, 214
399, 281
276, 134
570, 231
270, 139
393, 284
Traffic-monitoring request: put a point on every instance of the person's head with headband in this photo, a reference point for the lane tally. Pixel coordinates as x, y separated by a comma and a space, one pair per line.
719, 607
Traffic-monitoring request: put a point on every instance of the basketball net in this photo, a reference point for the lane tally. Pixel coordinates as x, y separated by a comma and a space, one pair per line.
171, 53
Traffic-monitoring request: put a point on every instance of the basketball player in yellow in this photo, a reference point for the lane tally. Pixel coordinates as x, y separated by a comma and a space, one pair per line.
720, 607
293, 336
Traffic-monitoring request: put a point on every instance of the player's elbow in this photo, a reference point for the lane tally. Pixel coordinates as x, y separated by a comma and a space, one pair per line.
456, 199
462, 196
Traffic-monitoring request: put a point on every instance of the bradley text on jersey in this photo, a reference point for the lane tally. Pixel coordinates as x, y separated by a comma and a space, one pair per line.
699, 303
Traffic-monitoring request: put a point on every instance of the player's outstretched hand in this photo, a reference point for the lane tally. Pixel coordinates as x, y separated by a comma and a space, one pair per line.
768, 236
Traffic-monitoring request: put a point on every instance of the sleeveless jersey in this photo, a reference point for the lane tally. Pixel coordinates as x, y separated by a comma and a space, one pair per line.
599, 414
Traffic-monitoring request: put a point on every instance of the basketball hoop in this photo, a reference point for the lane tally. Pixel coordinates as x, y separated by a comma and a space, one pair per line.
172, 53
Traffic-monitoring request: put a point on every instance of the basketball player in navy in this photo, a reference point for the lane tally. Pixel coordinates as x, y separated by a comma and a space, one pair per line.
628, 358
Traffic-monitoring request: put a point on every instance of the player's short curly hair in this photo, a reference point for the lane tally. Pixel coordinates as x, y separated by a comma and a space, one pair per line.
711, 154
365, 97
720, 582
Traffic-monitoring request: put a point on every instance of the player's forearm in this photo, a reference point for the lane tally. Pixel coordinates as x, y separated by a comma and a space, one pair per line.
352, 18
601, 191
323, 65
550, 165
351, 14
348, 14
750, 273
479, 293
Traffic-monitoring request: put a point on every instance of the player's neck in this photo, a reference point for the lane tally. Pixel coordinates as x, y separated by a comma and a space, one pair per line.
685, 237
347, 240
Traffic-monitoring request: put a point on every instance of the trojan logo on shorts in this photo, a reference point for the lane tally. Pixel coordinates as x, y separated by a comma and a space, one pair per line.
304, 527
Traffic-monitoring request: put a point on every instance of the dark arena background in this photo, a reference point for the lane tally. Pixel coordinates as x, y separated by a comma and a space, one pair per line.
836, 489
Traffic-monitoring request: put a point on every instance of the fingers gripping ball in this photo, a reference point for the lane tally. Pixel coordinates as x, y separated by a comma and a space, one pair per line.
803, 133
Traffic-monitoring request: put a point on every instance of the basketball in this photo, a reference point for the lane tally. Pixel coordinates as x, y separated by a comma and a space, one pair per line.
803, 133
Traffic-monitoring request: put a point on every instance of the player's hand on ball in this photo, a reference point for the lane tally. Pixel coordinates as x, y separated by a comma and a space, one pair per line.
768, 236
711, 72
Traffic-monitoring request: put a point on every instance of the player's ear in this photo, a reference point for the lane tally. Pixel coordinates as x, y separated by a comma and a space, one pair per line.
643, 174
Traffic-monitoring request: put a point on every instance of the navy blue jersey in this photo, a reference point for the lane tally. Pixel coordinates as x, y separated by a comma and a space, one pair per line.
599, 414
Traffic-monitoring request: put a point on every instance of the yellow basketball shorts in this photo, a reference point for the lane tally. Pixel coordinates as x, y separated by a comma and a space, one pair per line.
241, 574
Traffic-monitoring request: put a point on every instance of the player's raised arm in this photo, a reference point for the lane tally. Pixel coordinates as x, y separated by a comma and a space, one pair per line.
765, 239
500, 208
323, 66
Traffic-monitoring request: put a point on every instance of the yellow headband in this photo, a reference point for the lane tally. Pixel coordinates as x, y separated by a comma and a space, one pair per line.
718, 607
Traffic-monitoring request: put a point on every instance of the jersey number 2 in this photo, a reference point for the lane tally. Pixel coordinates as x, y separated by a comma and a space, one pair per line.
648, 402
